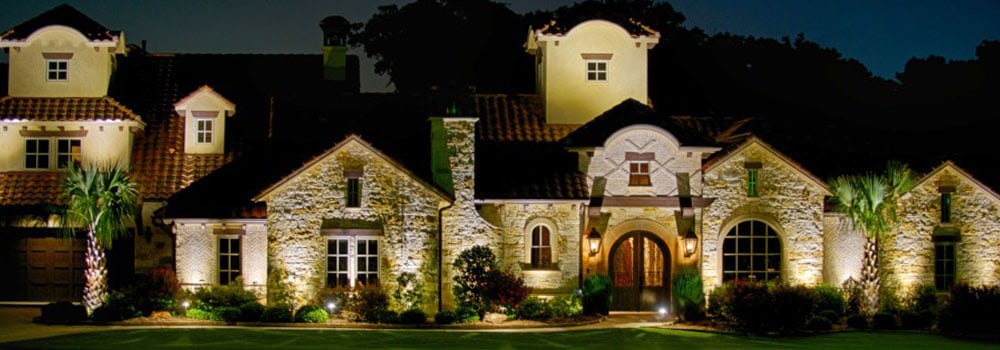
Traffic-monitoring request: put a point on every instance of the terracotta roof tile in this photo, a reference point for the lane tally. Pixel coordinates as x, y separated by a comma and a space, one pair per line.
514, 118
64, 109
30, 188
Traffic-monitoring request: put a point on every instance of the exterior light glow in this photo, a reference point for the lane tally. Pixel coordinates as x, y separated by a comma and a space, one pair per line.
594, 238
690, 242
186, 304
663, 311
330, 306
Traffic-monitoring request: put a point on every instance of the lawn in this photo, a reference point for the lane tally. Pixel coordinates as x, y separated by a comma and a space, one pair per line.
250, 338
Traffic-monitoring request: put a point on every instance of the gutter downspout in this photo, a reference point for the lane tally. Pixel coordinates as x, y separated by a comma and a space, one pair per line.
441, 255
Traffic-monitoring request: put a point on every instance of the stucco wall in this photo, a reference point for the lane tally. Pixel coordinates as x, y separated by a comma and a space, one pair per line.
406, 209
787, 201
105, 142
89, 70
909, 254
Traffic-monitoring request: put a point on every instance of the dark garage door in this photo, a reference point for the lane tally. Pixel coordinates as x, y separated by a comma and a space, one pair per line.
42, 268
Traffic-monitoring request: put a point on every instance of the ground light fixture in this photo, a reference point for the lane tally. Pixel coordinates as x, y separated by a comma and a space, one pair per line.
330, 306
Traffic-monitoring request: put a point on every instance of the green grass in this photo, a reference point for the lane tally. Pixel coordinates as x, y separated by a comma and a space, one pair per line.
249, 338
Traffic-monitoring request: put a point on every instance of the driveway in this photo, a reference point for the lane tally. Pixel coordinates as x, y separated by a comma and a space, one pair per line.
15, 325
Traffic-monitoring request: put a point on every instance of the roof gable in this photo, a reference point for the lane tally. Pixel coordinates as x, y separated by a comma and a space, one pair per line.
62, 15
352, 139
628, 113
204, 97
754, 141
950, 166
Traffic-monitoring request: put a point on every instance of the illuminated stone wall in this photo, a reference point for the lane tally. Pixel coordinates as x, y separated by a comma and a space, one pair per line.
406, 208
844, 250
610, 164
198, 252
909, 254
787, 201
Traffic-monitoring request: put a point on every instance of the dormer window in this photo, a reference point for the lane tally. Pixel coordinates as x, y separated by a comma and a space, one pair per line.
597, 70
57, 70
205, 131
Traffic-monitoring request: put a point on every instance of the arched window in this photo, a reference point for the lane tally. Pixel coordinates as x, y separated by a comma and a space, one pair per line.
541, 247
751, 251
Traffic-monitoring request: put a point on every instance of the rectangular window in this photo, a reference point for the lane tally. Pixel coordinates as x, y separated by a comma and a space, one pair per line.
944, 265
67, 152
57, 70
205, 130
353, 192
337, 257
597, 70
367, 259
229, 259
638, 174
36, 154
752, 182
945, 207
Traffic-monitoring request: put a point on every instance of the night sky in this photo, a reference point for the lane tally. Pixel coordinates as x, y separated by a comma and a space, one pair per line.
882, 34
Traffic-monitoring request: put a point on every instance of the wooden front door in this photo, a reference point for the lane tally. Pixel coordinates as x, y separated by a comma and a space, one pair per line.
640, 272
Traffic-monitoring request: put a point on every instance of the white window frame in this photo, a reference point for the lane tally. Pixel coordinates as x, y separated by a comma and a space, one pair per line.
353, 255
597, 70
57, 70
205, 131
53, 153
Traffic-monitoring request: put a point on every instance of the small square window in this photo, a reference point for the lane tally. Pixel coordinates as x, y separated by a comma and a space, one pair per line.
597, 70
68, 152
57, 70
205, 130
639, 174
36, 154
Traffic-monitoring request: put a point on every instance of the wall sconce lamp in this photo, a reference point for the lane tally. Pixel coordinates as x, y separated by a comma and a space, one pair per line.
690, 242
594, 238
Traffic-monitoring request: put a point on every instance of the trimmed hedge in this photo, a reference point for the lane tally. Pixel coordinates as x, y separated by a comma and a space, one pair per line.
63, 312
311, 314
277, 313
413, 316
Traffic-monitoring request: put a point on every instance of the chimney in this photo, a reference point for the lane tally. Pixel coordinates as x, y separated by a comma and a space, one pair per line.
335, 30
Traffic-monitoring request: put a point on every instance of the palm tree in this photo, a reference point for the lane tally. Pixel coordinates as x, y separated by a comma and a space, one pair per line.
100, 199
869, 202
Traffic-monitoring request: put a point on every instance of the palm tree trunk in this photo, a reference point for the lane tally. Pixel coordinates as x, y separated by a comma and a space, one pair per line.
95, 288
870, 279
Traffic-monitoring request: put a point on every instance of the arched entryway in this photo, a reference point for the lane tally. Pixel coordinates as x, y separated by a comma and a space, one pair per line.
640, 272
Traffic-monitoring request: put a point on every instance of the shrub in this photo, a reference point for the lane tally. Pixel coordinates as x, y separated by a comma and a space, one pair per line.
830, 315
160, 289
888, 301
819, 324
230, 314
763, 308
857, 321
277, 313
121, 304
689, 294
445, 317
200, 314
924, 297
792, 307
718, 297
384, 316
852, 289
368, 304
564, 306
410, 293
311, 314
533, 309
830, 298
885, 320
340, 297
466, 315
233, 294
504, 290
597, 295
63, 312
748, 305
971, 310
413, 316
910, 319
472, 278
251, 312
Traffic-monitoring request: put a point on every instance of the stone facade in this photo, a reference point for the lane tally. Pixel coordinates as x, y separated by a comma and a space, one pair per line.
909, 253
843, 250
405, 207
198, 252
789, 200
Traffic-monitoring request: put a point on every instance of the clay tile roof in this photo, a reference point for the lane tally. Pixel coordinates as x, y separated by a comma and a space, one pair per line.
632, 112
19, 188
64, 109
514, 118
61, 15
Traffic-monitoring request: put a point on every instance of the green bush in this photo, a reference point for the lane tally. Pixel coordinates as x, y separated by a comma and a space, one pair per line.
857, 321
277, 313
830, 298
384, 316
63, 312
533, 309
819, 324
230, 314
718, 297
793, 305
910, 319
413, 316
200, 314
764, 308
597, 295
565, 306
472, 278
251, 312
924, 298
830, 315
971, 311
122, 304
233, 294
410, 293
689, 294
466, 315
311, 314
369, 304
885, 320
445, 317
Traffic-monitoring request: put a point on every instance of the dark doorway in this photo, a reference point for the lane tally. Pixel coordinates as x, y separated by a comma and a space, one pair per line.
640, 271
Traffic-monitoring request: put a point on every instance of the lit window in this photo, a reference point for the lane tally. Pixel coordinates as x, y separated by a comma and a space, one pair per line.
597, 70
337, 257
945, 207
205, 130
752, 182
229, 259
57, 70
541, 247
347, 268
944, 264
67, 152
353, 192
36, 154
367, 262
751, 251
638, 174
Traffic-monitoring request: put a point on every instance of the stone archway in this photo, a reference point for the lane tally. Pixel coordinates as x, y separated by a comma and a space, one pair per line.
639, 266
